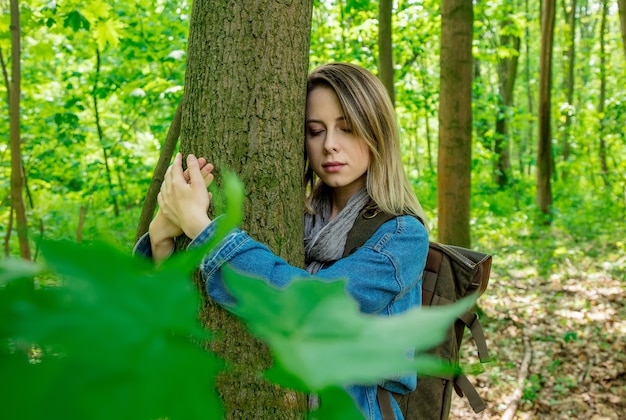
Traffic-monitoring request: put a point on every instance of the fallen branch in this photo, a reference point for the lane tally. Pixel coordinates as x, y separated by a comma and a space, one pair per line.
521, 380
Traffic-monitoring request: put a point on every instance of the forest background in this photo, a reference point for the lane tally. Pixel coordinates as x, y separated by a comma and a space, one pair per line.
101, 84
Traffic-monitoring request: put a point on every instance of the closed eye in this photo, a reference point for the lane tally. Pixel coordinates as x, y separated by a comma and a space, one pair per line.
315, 132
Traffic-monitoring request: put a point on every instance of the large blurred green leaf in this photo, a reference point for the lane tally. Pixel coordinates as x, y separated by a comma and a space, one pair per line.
118, 339
319, 338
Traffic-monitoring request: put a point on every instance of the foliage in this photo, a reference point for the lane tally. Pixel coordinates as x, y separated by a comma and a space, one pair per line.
142, 49
139, 81
118, 337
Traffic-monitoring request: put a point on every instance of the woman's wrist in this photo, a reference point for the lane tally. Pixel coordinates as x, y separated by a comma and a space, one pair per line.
162, 239
194, 227
162, 249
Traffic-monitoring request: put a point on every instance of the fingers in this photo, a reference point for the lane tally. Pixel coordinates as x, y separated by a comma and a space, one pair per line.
207, 174
193, 167
205, 170
176, 169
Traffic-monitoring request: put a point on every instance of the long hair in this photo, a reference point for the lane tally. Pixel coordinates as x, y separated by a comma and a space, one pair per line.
370, 114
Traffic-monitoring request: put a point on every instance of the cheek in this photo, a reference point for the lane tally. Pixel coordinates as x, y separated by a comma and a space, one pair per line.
310, 150
365, 153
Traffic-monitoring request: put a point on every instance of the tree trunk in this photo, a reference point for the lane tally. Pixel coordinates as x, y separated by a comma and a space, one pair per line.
455, 122
570, 53
385, 47
167, 151
544, 147
601, 132
105, 153
17, 175
529, 97
507, 72
622, 18
243, 109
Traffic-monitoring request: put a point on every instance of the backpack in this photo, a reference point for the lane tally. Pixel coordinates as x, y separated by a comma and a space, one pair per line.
451, 273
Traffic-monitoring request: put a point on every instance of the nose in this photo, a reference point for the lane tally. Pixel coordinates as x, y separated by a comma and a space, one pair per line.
331, 143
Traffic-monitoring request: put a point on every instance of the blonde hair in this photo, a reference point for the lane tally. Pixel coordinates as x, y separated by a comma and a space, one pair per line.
370, 114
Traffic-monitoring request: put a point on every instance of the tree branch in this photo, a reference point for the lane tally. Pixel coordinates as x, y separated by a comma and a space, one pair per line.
516, 397
5, 74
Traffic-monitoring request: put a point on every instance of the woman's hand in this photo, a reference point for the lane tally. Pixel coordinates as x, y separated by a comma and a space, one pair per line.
185, 201
182, 196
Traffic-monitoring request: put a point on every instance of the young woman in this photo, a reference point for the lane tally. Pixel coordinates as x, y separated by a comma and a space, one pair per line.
353, 161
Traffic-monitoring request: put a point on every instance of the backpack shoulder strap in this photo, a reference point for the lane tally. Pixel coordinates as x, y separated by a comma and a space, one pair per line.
366, 223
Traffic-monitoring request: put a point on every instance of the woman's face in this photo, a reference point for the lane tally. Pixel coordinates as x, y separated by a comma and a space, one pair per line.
336, 155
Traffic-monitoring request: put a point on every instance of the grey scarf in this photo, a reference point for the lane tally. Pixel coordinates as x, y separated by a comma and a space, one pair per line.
324, 240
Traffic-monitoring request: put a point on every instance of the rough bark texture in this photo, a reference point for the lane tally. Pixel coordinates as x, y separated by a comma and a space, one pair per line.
385, 47
455, 122
544, 147
17, 175
243, 109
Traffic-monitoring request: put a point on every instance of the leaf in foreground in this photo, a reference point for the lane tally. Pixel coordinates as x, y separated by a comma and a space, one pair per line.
319, 338
117, 340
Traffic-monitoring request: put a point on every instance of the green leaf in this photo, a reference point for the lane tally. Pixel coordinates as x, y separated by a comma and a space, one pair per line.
76, 21
129, 335
107, 32
319, 338
13, 269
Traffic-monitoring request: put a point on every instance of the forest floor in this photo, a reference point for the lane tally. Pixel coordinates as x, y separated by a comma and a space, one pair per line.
557, 336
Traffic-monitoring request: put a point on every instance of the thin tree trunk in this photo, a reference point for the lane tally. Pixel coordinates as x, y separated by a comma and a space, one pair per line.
385, 47
569, 80
622, 18
544, 148
17, 174
602, 140
529, 96
150, 202
243, 109
507, 72
455, 122
105, 153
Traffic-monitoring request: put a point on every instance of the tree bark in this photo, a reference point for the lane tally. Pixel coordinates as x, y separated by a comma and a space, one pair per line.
622, 18
455, 122
569, 80
525, 169
105, 153
17, 174
507, 72
544, 147
604, 168
150, 202
385, 47
243, 108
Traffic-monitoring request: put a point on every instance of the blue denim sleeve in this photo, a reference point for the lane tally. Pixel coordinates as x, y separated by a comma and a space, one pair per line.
381, 274
143, 246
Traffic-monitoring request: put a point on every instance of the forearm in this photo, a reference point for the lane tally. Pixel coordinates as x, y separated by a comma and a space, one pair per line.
162, 239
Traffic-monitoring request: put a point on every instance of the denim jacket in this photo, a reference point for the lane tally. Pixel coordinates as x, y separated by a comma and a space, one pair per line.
384, 276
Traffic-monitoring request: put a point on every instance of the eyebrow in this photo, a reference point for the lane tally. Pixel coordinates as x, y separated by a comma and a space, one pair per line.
338, 119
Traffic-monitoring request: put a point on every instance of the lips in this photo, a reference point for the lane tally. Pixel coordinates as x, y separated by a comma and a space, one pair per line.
333, 166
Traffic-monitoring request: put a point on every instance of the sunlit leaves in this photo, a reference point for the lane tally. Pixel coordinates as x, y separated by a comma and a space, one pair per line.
107, 33
76, 21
